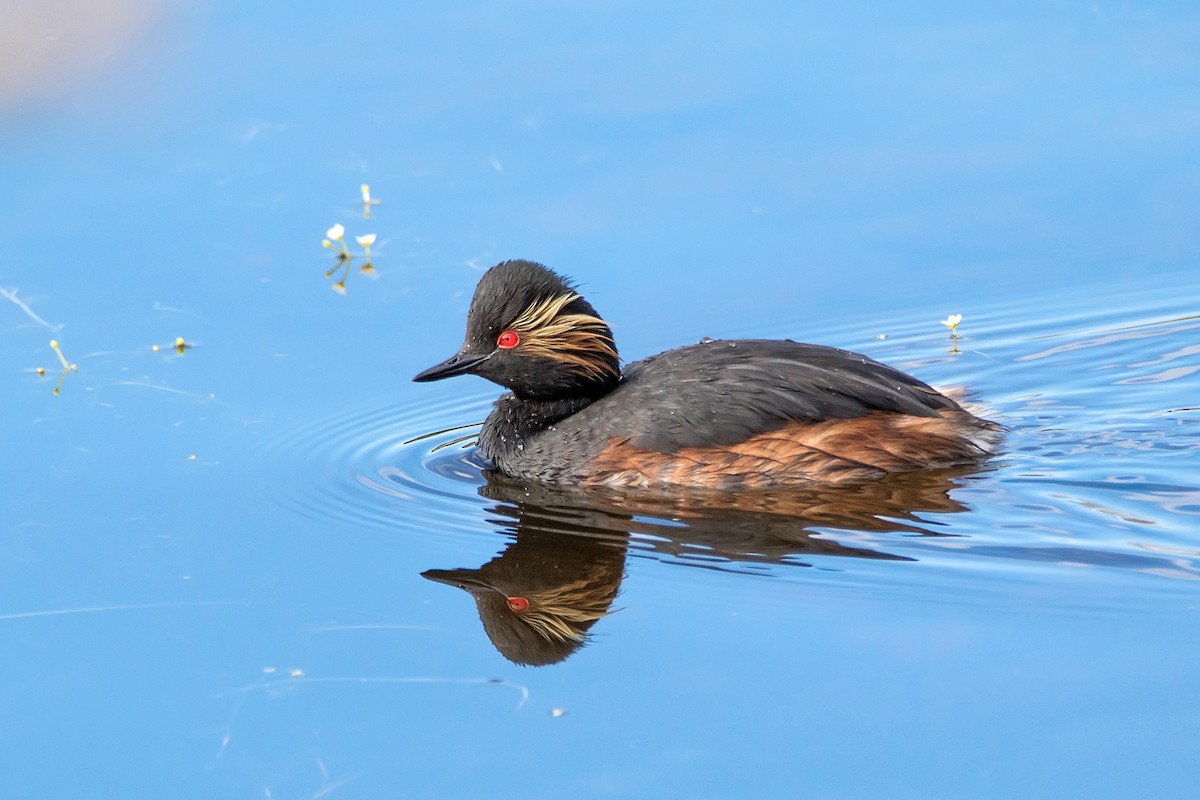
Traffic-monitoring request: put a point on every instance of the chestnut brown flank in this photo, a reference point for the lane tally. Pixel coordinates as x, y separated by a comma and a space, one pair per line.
831, 451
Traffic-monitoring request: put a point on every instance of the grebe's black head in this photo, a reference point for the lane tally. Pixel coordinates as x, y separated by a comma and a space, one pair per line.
529, 331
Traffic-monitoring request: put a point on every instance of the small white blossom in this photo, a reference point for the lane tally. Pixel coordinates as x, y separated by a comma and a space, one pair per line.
336, 233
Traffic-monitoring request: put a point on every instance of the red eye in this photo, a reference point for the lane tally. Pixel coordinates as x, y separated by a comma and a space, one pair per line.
508, 340
518, 604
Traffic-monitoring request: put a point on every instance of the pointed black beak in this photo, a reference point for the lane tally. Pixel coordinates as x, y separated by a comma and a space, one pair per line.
457, 364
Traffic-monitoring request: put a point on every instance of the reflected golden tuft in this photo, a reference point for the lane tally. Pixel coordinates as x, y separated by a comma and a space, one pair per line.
564, 613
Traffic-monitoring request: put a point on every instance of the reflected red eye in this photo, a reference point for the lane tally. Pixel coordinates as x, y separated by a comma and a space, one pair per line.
508, 340
518, 604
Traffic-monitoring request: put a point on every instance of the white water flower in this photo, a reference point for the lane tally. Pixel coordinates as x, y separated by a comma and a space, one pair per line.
367, 200
952, 321
336, 233
366, 240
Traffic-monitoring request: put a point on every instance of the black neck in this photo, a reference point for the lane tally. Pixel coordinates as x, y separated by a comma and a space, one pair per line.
529, 416
514, 421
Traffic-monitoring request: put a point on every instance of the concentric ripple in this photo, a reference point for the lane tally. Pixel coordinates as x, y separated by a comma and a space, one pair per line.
384, 465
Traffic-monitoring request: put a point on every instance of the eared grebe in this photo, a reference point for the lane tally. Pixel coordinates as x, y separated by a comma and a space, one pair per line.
734, 414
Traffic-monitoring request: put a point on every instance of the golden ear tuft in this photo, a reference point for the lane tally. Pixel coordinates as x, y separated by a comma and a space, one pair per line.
582, 341
542, 312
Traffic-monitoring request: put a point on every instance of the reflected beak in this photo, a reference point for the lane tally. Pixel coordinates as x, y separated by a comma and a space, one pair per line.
461, 578
457, 364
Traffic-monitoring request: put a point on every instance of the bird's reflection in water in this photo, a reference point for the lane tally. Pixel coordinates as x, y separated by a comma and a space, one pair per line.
560, 574
540, 597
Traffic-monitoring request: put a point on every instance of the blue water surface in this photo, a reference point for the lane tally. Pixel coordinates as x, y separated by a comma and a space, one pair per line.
211, 561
